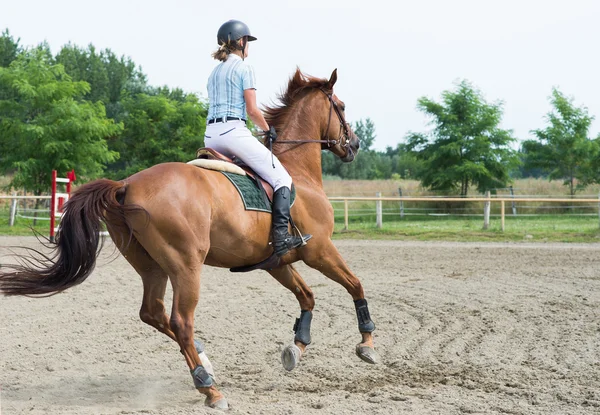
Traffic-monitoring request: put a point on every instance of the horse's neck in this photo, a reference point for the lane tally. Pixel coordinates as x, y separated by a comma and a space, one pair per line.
304, 165
303, 161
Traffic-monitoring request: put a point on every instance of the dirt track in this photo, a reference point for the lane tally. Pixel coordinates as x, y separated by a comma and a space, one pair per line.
462, 328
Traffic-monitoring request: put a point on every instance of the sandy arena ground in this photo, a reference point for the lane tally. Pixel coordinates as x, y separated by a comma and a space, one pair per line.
461, 328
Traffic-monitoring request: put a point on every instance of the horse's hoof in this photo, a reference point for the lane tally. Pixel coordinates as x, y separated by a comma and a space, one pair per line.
218, 404
290, 356
368, 354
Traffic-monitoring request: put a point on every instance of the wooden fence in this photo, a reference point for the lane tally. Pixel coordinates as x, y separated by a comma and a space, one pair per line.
487, 200
13, 205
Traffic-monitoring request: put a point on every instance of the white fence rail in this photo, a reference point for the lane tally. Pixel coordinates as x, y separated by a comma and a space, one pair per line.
487, 200
403, 201
13, 211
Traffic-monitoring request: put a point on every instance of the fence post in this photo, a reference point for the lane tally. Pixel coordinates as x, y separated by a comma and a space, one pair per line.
486, 211
379, 211
13, 211
514, 205
502, 215
53, 207
346, 214
401, 203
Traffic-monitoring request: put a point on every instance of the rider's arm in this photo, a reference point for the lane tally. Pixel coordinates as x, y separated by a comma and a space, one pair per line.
252, 109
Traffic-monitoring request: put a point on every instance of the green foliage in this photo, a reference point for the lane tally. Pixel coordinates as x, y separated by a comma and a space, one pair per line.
88, 109
526, 169
371, 164
563, 149
405, 164
159, 128
365, 130
160, 125
9, 49
44, 125
368, 165
465, 146
111, 78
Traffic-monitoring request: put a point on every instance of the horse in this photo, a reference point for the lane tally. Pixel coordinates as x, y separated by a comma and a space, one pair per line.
172, 219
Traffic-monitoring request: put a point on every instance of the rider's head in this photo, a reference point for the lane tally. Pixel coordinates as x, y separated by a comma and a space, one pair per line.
233, 37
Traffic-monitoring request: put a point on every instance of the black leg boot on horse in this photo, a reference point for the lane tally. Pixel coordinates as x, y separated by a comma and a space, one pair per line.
283, 242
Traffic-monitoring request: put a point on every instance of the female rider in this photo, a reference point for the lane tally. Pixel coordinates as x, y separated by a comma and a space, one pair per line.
232, 94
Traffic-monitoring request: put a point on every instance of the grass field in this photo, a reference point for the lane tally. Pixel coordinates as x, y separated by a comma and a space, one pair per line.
546, 228
22, 226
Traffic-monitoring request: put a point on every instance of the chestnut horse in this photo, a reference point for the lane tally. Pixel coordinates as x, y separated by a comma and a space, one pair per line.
172, 219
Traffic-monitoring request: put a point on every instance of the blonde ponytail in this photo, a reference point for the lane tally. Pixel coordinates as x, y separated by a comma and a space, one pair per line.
225, 49
221, 53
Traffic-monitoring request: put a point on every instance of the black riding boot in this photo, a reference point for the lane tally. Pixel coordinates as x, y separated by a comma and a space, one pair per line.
283, 242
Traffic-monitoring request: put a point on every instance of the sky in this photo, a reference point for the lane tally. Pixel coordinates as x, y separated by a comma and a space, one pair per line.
388, 53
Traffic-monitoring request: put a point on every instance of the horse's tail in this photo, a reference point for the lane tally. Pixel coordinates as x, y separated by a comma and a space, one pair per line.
78, 242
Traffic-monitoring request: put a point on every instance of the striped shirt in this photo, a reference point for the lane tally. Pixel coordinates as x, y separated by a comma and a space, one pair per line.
226, 86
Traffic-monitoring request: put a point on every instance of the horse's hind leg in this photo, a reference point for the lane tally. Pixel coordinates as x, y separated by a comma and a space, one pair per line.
186, 292
183, 261
152, 311
290, 279
331, 264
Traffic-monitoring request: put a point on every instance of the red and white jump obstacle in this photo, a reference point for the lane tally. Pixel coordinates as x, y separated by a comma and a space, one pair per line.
58, 200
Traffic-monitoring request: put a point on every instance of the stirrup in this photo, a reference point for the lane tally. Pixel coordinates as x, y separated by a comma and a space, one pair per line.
286, 244
305, 238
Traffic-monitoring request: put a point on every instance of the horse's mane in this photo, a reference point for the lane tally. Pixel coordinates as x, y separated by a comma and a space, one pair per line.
298, 84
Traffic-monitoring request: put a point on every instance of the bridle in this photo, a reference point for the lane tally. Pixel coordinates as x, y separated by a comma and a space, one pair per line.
344, 137
344, 128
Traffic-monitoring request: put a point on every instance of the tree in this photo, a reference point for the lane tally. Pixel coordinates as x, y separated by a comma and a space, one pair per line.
465, 147
368, 165
563, 148
44, 125
404, 163
158, 128
365, 130
9, 49
111, 78
86, 65
526, 169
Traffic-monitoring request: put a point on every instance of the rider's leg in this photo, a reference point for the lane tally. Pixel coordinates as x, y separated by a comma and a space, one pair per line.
283, 242
233, 138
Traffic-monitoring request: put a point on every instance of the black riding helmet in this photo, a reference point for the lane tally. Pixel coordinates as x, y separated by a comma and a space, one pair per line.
233, 30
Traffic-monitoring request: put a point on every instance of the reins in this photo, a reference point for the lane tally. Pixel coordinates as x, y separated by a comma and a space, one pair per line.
344, 130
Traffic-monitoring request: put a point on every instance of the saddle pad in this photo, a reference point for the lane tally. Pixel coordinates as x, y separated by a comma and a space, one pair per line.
218, 165
252, 194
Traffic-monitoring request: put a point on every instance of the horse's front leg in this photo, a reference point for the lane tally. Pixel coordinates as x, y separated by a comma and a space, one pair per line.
330, 263
290, 279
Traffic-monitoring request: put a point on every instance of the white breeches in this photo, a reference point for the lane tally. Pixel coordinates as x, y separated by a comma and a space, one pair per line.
232, 138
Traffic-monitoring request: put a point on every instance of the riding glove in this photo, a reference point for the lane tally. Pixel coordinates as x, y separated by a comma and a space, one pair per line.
271, 134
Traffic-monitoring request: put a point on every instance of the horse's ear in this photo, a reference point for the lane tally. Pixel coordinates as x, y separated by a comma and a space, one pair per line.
332, 80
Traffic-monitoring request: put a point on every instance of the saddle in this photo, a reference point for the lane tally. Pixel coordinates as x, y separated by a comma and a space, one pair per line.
209, 154
212, 154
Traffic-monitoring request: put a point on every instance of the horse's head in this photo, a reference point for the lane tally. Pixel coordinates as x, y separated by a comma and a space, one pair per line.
308, 98
340, 138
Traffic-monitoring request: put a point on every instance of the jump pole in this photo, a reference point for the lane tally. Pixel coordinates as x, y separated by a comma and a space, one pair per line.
58, 199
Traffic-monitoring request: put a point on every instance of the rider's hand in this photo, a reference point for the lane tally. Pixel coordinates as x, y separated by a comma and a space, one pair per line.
271, 134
